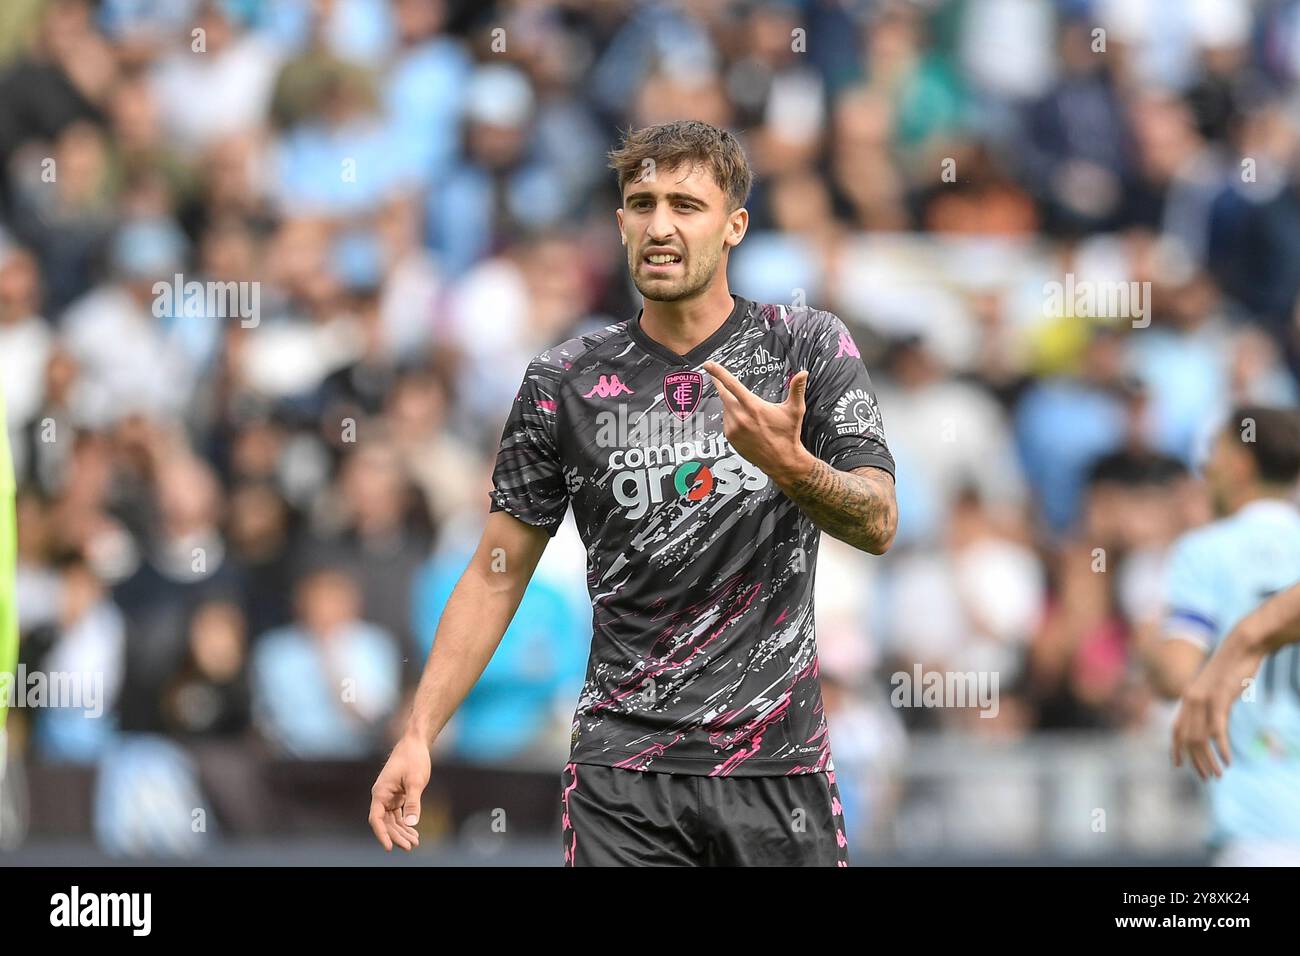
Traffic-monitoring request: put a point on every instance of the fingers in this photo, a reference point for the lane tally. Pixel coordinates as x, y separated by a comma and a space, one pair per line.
411, 808
411, 834
798, 387
732, 406
395, 832
393, 815
401, 834
727, 384
1191, 736
379, 824
412, 786
731, 388
389, 827
1207, 761
1199, 743
1220, 737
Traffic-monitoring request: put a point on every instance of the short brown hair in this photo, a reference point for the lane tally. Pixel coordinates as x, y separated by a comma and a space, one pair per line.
691, 142
1275, 442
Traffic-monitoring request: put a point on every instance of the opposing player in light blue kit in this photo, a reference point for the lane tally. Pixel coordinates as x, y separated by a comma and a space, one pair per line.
1218, 575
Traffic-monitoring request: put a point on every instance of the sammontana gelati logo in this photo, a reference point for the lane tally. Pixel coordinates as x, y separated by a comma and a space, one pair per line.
856, 413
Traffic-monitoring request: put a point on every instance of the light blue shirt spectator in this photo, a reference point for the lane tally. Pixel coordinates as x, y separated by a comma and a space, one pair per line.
461, 212
770, 266
362, 31
344, 170
1061, 427
1187, 376
422, 97
1217, 575
325, 698
536, 671
148, 800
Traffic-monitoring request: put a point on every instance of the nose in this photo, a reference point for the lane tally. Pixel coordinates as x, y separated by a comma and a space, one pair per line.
660, 227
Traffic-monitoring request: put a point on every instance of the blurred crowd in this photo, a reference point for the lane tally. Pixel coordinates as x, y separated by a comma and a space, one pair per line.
249, 520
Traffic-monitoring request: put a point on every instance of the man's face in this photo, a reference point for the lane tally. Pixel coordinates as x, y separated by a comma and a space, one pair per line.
1228, 467
679, 213
326, 601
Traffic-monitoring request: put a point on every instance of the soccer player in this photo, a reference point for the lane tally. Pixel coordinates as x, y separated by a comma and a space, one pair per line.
1207, 702
1218, 575
703, 446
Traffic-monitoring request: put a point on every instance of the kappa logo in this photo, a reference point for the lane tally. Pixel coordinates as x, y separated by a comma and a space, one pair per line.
847, 347
856, 413
762, 362
608, 387
682, 391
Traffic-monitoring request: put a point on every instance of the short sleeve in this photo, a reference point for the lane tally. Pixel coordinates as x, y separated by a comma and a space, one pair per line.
1189, 606
528, 478
842, 422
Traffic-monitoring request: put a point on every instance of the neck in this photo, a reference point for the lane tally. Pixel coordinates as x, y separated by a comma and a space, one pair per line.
685, 323
1259, 493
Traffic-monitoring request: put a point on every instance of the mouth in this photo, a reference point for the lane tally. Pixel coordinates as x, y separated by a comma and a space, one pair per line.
661, 261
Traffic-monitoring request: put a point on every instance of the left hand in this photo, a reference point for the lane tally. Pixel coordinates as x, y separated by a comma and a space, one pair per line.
1203, 716
762, 432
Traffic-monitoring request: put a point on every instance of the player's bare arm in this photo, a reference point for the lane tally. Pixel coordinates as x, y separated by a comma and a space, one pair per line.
477, 614
1272, 625
857, 506
1207, 702
1172, 663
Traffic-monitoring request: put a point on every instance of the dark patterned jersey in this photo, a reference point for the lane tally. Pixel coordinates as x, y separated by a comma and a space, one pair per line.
700, 570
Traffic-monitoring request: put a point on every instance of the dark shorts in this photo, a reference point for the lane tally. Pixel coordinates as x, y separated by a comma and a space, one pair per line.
615, 817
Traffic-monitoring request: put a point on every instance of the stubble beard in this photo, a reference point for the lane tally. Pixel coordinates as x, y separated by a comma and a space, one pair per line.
689, 285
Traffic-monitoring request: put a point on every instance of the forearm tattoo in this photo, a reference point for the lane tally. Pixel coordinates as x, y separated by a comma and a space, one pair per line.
856, 506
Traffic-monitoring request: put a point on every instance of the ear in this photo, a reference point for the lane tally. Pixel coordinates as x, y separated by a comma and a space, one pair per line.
737, 226
618, 215
1247, 472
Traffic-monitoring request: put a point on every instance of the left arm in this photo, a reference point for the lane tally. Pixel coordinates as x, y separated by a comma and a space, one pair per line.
857, 506
1208, 699
1171, 664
